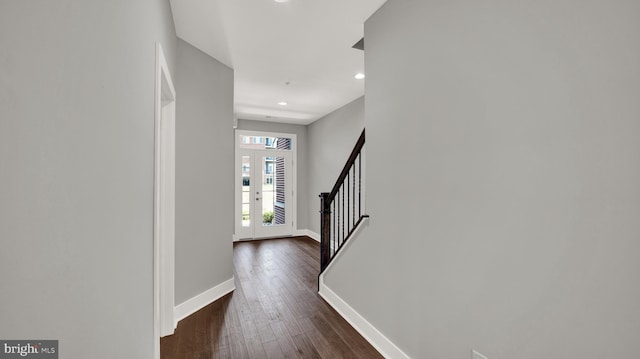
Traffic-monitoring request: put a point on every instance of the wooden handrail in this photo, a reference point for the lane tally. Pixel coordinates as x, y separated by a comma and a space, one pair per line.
345, 171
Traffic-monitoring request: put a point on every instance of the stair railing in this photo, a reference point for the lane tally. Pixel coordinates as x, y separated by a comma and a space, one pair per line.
341, 210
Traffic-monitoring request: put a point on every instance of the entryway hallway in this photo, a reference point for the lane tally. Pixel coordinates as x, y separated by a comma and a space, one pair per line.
274, 312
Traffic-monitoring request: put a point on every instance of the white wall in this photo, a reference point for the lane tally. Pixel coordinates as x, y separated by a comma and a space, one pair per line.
503, 172
331, 140
301, 167
77, 83
204, 172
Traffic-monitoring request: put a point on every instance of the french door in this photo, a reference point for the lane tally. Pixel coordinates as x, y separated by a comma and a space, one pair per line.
264, 191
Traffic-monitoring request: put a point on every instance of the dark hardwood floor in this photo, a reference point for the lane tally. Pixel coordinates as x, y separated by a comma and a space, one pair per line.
275, 311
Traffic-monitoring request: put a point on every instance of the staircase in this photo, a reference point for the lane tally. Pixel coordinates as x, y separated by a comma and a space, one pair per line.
342, 210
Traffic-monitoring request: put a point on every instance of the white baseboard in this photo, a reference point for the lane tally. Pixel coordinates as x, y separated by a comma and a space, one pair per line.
307, 232
203, 299
357, 321
361, 325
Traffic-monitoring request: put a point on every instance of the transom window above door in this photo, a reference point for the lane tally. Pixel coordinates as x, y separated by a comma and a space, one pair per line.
265, 143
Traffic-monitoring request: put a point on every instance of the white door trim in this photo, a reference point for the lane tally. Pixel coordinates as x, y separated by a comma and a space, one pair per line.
238, 177
164, 203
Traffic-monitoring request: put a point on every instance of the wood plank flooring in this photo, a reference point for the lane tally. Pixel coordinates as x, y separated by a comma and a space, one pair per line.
275, 311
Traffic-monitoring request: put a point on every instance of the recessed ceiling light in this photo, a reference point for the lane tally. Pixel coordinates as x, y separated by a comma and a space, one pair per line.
281, 0
359, 76
282, 103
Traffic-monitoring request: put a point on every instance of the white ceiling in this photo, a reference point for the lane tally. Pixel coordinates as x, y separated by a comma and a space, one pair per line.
306, 43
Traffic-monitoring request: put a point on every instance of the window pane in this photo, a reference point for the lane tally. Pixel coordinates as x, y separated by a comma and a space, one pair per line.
266, 143
246, 220
273, 187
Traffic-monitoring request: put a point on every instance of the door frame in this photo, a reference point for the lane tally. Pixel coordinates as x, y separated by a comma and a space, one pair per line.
238, 178
164, 203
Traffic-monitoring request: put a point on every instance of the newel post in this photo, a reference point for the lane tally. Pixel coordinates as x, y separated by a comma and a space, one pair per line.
325, 230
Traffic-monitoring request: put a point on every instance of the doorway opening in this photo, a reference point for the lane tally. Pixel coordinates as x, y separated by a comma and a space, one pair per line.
265, 173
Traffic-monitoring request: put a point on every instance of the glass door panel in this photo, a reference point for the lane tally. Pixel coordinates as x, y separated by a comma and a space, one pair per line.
244, 214
246, 191
274, 194
273, 199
